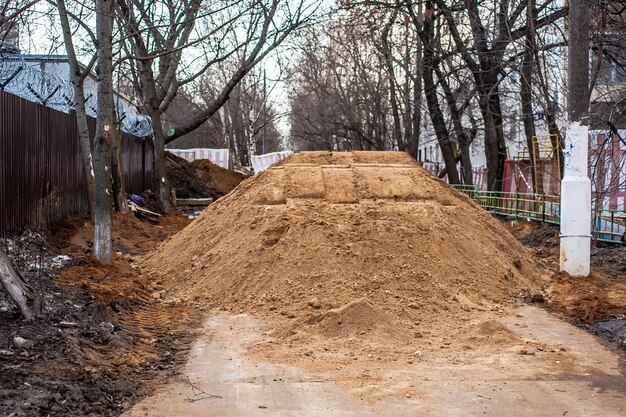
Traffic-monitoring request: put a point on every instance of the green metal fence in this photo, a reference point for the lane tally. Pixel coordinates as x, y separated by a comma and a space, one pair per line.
607, 225
610, 225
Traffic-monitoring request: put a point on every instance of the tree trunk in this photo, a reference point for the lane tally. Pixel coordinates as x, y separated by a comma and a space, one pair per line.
103, 247
555, 135
529, 128
495, 150
85, 149
466, 162
160, 183
391, 79
494, 178
439, 124
413, 144
455, 115
407, 95
117, 168
443, 137
78, 79
18, 288
527, 106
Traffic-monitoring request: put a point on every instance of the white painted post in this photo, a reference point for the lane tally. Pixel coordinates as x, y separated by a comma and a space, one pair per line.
576, 203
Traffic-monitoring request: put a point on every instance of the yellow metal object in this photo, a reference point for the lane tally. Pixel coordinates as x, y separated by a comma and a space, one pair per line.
546, 151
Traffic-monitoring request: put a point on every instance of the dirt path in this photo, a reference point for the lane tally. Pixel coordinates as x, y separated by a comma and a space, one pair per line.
226, 383
583, 378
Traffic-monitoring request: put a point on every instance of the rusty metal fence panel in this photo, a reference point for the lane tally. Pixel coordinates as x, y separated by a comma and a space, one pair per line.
41, 176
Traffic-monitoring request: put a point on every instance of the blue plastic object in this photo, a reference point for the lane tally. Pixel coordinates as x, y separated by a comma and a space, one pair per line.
136, 199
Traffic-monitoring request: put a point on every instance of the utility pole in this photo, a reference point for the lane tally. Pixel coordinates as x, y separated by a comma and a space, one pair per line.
576, 186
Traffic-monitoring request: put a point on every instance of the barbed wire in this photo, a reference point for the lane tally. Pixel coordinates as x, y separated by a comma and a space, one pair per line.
25, 80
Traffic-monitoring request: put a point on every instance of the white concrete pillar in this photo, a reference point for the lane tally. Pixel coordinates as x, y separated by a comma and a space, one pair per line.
576, 203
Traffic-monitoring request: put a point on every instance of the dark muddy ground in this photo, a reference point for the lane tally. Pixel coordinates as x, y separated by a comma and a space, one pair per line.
107, 335
613, 329
596, 303
200, 178
543, 238
103, 338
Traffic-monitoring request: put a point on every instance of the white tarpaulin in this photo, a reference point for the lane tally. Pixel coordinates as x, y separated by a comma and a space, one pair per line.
219, 157
263, 162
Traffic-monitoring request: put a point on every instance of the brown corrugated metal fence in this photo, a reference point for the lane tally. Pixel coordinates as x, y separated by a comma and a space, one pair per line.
41, 176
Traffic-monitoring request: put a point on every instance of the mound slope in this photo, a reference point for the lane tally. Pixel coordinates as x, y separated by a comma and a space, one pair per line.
339, 227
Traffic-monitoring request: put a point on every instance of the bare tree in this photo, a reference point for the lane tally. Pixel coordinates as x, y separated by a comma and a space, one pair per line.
246, 124
466, 52
11, 10
156, 38
430, 62
526, 97
342, 96
103, 246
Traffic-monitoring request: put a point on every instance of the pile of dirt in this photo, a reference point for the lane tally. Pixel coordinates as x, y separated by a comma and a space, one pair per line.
493, 332
590, 299
200, 179
355, 318
535, 234
130, 235
184, 178
339, 227
221, 181
596, 302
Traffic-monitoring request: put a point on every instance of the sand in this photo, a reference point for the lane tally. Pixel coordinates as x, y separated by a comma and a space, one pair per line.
369, 237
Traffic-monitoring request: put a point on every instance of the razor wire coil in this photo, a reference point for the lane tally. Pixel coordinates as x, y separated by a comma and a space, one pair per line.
26, 81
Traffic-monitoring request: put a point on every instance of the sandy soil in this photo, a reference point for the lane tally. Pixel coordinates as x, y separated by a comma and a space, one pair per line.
363, 270
346, 243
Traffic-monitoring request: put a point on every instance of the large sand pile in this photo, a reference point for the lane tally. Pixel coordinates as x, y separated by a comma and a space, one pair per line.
345, 243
